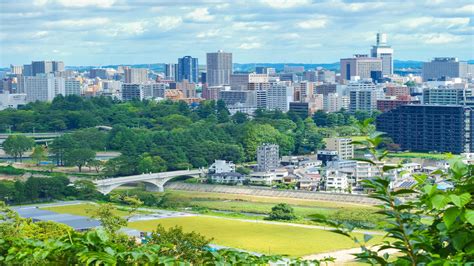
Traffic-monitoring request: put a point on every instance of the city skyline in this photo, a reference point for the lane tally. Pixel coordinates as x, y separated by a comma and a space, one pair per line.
93, 32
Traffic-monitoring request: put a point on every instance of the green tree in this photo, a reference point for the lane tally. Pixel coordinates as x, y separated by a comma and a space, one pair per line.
17, 145
79, 157
39, 154
85, 189
282, 211
61, 145
151, 164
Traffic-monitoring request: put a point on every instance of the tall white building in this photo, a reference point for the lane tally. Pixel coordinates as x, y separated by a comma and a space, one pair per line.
279, 96
384, 51
72, 87
343, 146
43, 88
132, 92
136, 75
362, 96
268, 157
219, 68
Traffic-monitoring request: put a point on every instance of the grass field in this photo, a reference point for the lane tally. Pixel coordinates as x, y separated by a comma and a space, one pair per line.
85, 209
422, 155
263, 238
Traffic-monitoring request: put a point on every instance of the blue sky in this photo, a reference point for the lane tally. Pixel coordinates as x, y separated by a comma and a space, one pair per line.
101, 32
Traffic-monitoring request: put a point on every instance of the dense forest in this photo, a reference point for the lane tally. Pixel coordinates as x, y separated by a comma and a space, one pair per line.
158, 136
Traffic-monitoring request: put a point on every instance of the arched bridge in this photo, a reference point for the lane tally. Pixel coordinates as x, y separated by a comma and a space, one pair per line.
153, 181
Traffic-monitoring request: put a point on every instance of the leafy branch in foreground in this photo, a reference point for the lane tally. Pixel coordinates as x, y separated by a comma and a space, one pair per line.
425, 225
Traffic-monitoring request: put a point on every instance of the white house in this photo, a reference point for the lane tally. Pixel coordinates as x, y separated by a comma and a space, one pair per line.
221, 166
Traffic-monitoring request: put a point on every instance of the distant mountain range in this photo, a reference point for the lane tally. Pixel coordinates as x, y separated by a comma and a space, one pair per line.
398, 65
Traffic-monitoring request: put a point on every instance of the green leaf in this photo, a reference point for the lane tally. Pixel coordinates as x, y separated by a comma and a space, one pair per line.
469, 216
461, 200
439, 201
367, 238
390, 167
364, 160
429, 189
450, 216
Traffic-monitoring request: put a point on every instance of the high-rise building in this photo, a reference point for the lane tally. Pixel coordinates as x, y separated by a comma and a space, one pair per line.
444, 68
99, 73
360, 65
268, 157
132, 92
72, 87
219, 68
171, 71
445, 95
343, 146
58, 66
425, 128
27, 70
43, 88
240, 81
135, 75
362, 96
41, 67
385, 52
188, 68
17, 70
244, 98
279, 96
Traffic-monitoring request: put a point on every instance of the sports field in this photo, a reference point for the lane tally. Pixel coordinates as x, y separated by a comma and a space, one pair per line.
258, 237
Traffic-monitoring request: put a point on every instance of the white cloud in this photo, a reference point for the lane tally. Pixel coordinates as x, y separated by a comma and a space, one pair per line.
248, 46
208, 34
76, 24
317, 23
166, 23
432, 22
132, 28
77, 3
285, 3
441, 38
40, 34
200, 15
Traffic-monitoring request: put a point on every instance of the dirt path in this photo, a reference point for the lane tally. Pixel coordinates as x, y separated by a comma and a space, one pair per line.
343, 256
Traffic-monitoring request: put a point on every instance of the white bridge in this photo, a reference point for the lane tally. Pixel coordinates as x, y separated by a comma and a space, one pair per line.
153, 181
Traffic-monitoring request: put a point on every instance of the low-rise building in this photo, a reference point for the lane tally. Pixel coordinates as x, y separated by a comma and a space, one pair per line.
228, 178
221, 166
263, 178
336, 180
343, 147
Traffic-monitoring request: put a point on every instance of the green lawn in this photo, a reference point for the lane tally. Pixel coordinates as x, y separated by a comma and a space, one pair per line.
85, 209
422, 155
263, 238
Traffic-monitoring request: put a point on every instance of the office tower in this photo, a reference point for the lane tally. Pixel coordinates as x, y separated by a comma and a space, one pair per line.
240, 81
188, 69
360, 65
325, 89
132, 92
332, 102
188, 88
136, 75
385, 105
41, 67
300, 108
425, 128
310, 75
57, 66
343, 147
394, 90
362, 96
385, 52
203, 77
288, 77
268, 157
445, 95
262, 96
219, 68
279, 96
43, 88
27, 70
72, 86
243, 98
442, 68
98, 73
170, 71
265, 70
303, 90
17, 70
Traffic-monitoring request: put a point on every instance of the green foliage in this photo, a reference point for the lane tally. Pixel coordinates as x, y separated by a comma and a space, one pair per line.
17, 145
184, 246
282, 211
39, 154
445, 238
79, 157
10, 170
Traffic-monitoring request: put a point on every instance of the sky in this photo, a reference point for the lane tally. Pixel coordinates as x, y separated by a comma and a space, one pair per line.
102, 32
